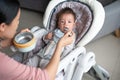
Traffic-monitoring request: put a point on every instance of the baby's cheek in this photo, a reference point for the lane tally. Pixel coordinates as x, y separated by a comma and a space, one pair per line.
70, 29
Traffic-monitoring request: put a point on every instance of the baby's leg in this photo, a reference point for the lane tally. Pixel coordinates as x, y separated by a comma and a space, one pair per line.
18, 57
34, 61
43, 63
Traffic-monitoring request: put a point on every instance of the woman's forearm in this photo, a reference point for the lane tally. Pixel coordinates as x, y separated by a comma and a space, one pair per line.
54, 62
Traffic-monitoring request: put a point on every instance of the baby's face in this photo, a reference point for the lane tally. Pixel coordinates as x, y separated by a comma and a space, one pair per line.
66, 22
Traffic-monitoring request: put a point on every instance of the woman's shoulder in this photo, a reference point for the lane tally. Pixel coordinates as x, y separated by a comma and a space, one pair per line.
1, 54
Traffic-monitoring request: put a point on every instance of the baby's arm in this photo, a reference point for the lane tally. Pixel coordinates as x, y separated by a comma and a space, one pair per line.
48, 37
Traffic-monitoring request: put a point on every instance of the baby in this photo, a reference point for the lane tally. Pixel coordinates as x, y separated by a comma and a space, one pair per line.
65, 22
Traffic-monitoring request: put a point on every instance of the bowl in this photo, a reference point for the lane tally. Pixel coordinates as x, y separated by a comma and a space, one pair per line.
24, 41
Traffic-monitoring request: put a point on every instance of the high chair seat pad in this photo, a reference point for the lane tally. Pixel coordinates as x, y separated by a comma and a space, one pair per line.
90, 17
83, 16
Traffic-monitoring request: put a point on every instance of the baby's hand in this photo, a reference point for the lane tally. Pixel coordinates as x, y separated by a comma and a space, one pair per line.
49, 36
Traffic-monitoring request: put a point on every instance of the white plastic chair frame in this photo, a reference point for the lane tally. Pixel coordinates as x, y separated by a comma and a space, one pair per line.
72, 61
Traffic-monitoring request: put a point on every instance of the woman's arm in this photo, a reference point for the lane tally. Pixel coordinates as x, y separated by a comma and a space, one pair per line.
12, 70
54, 62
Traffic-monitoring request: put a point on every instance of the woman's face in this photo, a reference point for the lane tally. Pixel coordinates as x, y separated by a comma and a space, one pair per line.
9, 31
66, 22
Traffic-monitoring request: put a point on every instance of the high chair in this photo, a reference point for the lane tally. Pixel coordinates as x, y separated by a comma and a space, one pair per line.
90, 19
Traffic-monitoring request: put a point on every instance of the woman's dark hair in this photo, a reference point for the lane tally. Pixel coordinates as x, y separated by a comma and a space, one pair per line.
8, 10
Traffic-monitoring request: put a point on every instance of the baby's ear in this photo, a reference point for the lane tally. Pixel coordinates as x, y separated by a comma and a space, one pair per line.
2, 27
75, 23
75, 20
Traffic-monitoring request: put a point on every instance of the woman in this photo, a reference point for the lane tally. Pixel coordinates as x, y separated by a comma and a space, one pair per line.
9, 68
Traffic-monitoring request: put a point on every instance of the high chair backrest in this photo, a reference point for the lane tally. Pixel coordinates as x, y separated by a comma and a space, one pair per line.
90, 17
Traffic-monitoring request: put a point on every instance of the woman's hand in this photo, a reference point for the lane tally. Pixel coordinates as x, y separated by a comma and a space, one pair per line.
54, 62
25, 30
67, 39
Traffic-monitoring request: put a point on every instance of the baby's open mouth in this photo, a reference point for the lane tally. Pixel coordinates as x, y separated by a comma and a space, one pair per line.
66, 29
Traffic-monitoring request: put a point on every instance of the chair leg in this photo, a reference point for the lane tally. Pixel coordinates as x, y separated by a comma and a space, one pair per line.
99, 73
117, 33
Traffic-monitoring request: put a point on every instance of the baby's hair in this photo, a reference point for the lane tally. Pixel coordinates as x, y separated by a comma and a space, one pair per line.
66, 10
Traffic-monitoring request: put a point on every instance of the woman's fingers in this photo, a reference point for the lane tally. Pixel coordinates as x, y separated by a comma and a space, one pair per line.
70, 34
67, 38
25, 30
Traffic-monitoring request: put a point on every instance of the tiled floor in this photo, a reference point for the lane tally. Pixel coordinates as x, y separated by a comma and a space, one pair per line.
106, 49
